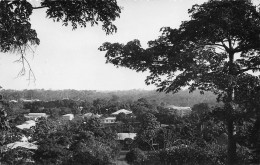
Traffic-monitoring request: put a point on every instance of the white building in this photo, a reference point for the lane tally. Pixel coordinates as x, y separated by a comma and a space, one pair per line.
35, 116
90, 115
180, 111
27, 125
29, 101
22, 144
108, 120
68, 117
123, 136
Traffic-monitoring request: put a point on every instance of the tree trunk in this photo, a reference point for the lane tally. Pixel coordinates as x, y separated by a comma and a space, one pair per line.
231, 150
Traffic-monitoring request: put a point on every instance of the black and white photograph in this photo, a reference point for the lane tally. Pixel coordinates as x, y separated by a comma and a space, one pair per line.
129, 82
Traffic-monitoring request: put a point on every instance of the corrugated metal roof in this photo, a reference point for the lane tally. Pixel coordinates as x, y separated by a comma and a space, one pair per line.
22, 144
178, 108
122, 111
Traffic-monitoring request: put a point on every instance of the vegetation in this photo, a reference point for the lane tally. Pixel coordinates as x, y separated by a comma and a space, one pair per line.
213, 51
163, 137
135, 156
182, 98
16, 31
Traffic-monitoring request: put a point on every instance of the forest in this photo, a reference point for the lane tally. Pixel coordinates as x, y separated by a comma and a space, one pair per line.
182, 98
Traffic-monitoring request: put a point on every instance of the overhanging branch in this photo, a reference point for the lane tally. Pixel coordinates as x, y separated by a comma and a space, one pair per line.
39, 7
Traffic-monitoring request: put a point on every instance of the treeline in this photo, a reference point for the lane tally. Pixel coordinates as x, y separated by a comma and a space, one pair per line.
182, 98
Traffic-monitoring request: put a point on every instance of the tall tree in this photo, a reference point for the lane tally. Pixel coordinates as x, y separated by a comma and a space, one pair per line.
212, 51
16, 33
149, 129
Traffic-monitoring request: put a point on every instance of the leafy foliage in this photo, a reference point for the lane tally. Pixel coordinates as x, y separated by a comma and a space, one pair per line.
183, 154
213, 51
18, 155
212, 154
148, 130
15, 29
16, 32
78, 142
135, 156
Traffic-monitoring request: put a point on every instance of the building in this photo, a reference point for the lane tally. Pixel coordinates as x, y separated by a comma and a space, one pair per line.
29, 101
91, 115
35, 116
180, 111
123, 136
13, 101
22, 144
68, 117
122, 111
108, 120
27, 125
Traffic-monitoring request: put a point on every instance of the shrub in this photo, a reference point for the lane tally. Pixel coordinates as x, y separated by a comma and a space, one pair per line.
135, 156
218, 154
184, 154
211, 154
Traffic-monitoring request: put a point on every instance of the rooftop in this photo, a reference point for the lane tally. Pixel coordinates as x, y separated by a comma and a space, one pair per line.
122, 111
178, 108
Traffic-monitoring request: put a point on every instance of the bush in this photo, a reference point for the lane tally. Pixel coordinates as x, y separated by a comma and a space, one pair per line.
184, 154
19, 155
211, 154
218, 154
135, 156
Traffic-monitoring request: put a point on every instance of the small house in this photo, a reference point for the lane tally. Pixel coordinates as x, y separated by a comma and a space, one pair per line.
27, 125
35, 116
68, 117
123, 136
108, 120
90, 115
22, 144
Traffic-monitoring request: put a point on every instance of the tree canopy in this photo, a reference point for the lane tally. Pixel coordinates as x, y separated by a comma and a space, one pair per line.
213, 51
17, 34
196, 53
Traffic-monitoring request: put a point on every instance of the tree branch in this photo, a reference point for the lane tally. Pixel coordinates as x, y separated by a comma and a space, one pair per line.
247, 69
225, 46
24, 61
217, 45
39, 7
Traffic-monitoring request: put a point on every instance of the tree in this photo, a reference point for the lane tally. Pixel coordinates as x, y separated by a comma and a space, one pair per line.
54, 113
212, 51
4, 126
17, 35
149, 129
121, 117
77, 142
200, 109
142, 106
100, 105
7, 136
19, 119
135, 156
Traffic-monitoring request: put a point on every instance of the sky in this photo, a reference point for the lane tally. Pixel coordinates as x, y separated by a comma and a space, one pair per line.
70, 59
